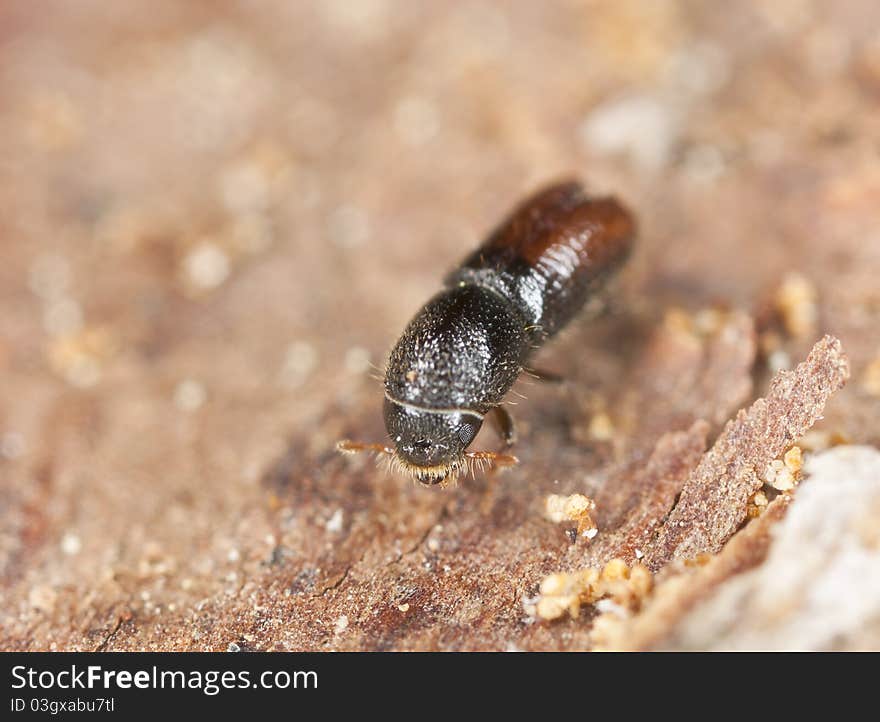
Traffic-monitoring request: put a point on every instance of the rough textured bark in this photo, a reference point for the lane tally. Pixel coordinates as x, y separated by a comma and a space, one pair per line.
713, 503
216, 219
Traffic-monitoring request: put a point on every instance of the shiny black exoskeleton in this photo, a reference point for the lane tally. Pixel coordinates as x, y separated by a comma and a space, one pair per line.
465, 348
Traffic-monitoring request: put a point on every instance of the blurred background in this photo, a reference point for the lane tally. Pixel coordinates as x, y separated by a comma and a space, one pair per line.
215, 219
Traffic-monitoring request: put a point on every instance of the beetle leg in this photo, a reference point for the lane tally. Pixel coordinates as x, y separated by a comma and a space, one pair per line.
492, 458
504, 424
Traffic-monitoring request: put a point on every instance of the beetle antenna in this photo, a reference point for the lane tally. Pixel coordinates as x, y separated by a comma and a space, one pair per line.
491, 458
355, 447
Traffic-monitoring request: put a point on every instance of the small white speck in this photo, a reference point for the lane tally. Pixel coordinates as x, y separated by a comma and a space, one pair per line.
639, 553
433, 545
334, 523
234, 555
233, 647
403, 607
12, 445
189, 395
609, 606
357, 360
299, 362
207, 266
590, 533
71, 544
778, 361
341, 624
641, 127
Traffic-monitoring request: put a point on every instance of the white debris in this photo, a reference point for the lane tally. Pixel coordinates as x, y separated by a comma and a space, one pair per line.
819, 587
334, 523
189, 395
299, 362
71, 544
778, 360
207, 266
638, 126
